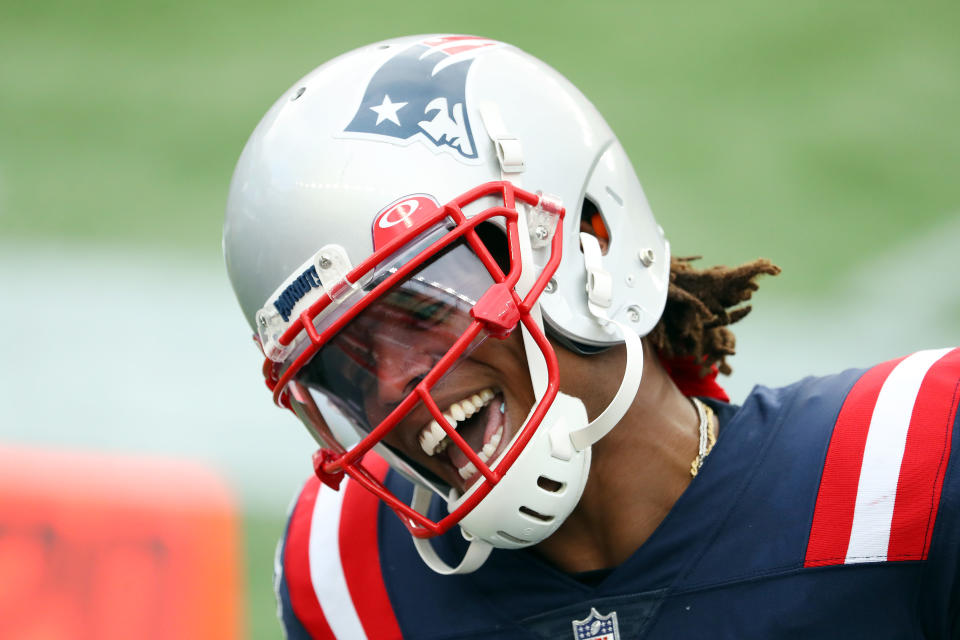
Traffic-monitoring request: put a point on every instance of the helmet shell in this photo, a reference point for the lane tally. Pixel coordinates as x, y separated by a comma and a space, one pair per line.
308, 177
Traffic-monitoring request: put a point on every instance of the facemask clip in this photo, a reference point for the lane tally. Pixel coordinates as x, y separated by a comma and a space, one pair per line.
497, 310
332, 479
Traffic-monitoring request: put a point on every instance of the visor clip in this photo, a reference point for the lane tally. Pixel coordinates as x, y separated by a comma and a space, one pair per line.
320, 459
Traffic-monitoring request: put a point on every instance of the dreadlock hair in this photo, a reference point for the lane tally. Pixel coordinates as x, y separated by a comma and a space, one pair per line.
701, 304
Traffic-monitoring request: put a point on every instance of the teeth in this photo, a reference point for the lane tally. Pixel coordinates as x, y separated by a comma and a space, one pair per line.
431, 436
467, 471
492, 445
433, 439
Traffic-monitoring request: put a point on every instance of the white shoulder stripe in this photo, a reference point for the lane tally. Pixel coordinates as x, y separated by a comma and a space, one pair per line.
883, 455
326, 570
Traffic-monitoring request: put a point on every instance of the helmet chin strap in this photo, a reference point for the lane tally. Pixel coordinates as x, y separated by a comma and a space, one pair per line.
599, 289
477, 552
564, 444
599, 285
597, 302
620, 404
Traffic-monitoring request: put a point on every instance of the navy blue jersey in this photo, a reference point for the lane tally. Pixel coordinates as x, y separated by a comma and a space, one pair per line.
827, 509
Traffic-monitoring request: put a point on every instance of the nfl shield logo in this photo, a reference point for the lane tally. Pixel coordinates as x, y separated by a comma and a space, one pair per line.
597, 627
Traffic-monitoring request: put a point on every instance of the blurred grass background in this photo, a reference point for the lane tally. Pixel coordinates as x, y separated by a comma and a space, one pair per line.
823, 135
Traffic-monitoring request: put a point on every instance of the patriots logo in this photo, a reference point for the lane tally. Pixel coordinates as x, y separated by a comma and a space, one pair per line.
420, 94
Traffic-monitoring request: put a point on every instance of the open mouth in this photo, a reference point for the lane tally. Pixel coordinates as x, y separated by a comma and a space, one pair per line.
480, 420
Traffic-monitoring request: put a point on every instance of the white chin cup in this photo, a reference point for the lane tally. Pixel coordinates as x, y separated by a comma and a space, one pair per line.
498, 521
541, 488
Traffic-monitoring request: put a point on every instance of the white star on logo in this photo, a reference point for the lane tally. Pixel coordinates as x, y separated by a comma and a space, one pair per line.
388, 110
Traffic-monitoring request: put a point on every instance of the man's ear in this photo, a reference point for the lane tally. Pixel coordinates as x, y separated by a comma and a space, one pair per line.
592, 222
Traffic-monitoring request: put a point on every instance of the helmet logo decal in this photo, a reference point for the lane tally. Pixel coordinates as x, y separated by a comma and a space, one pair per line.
400, 215
420, 94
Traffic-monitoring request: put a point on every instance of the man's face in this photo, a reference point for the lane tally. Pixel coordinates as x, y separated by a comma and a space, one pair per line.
377, 360
486, 396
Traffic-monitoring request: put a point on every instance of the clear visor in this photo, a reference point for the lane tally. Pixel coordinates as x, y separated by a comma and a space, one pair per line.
369, 368
395, 358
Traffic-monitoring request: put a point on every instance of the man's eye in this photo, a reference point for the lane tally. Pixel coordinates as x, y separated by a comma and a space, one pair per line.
433, 313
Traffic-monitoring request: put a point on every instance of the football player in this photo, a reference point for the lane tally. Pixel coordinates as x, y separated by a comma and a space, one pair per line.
460, 289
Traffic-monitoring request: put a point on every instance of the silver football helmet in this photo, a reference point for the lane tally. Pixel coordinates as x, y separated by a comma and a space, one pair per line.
394, 218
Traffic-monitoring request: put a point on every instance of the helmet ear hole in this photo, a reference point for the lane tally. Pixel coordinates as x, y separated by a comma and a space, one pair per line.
536, 515
495, 240
592, 222
551, 485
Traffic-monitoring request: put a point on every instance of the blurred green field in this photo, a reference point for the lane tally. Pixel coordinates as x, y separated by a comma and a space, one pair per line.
788, 130
261, 531
819, 134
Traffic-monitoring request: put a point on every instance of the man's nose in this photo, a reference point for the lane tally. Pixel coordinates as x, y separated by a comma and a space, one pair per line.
399, 368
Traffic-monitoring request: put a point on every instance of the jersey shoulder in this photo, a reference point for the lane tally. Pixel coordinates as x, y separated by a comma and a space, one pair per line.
837, 496
328, 578
884, 469
843, 469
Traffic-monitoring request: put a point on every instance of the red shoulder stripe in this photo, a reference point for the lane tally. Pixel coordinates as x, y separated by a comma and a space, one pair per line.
359, 554
296, 565
925, 460
883, 474
833, 514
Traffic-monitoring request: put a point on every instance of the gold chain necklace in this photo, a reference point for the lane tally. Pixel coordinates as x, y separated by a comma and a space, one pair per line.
708, 435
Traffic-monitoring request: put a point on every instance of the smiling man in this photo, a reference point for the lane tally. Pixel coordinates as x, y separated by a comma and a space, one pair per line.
460, 289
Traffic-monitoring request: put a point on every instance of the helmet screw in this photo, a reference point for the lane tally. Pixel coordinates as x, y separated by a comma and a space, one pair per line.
262, 321
633, 312
645, 257
541, 232
551, 286
325, 262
